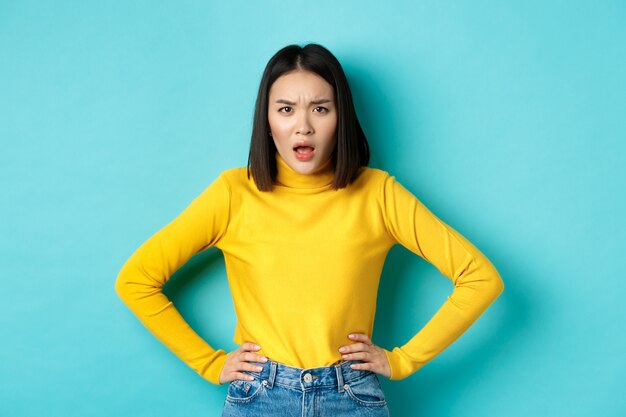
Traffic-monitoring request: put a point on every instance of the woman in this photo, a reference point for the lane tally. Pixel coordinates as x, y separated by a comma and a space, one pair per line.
305, 231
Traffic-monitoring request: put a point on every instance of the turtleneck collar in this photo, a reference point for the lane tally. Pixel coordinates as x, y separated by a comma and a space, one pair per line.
287, 177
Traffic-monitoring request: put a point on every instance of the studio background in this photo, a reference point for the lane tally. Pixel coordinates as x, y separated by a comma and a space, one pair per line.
505, 118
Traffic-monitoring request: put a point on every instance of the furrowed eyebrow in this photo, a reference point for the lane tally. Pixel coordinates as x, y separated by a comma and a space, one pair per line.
283, 101
291, 103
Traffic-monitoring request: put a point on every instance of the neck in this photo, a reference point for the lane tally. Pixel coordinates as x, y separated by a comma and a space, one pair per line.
287, 177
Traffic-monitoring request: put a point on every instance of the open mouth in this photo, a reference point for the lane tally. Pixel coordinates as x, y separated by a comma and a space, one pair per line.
304, 152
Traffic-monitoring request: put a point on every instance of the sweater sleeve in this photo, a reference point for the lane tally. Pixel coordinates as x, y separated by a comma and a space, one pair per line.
476, 282
141, 279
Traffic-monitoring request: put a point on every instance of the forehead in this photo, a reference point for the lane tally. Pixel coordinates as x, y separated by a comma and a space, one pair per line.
301, 83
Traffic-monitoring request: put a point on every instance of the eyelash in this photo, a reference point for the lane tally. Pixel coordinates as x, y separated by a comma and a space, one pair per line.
282, 109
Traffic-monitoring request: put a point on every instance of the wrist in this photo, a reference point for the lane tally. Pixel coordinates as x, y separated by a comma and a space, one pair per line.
214, 370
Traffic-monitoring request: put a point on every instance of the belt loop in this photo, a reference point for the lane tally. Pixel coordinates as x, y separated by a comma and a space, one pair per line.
272, 377
339, 377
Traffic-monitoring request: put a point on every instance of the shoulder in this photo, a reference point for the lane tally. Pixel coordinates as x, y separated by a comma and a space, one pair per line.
374, 173
234, 175
226, 181
382, 184
373, 178
236, 181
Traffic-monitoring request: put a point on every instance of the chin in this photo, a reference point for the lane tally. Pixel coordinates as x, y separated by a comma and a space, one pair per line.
305, 170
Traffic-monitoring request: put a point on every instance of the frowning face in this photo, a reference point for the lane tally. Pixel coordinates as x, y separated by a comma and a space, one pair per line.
303, 120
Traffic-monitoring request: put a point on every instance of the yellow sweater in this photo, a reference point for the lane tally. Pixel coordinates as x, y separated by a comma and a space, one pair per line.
303, 264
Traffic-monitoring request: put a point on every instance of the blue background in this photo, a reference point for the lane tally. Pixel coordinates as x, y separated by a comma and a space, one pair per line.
507, 119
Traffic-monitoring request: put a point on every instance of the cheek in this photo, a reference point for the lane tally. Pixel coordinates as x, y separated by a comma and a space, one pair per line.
332, 123
330, 132
280, 129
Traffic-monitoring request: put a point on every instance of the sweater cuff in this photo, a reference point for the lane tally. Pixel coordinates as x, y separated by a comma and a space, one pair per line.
401, 364
214, 369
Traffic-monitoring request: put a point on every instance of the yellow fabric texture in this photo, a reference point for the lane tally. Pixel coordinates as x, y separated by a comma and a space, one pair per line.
303, 264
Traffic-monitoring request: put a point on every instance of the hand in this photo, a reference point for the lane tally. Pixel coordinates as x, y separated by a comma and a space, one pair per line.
374, 357
237, 361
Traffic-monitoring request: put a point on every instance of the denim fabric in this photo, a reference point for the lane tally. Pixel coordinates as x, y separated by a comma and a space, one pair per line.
285, 391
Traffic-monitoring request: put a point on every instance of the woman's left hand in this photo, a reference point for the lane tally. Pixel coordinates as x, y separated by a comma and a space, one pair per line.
374, 357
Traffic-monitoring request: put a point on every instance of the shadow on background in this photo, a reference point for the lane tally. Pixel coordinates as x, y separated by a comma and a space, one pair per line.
456, 369
196, 289
200, 267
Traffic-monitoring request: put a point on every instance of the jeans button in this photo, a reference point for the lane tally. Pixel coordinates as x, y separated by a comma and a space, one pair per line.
308, 378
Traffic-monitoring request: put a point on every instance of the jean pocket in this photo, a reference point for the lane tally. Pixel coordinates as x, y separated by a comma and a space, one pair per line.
244, 391
366, 391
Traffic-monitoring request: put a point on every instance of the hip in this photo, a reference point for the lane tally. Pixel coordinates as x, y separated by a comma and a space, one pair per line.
287, 391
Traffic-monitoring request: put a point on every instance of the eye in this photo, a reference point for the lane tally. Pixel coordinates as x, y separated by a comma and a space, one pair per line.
285, 109
321, 109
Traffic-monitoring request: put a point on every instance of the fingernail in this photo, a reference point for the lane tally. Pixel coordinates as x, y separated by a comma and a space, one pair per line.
263, 359
342, 349
257, 347
259, 369
344, 356
351, 336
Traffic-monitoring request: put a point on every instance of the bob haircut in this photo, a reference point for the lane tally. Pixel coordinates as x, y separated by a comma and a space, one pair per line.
351, 151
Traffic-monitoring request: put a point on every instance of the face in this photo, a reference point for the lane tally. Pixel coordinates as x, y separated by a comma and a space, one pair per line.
303, 120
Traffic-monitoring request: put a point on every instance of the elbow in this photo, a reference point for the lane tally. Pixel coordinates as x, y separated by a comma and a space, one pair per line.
496, 285
126, 284
121, 287
500, 286
483, 278
142, 294
488, 284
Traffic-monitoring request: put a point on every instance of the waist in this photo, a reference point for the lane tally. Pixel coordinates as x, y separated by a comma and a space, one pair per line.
291, 343
336, 375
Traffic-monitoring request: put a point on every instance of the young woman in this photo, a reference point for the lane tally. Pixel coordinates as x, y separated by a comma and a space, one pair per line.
305, 230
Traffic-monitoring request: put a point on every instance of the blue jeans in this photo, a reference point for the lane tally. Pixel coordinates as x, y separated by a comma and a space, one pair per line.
285, 391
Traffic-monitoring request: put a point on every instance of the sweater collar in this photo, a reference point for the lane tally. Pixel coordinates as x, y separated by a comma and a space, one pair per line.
287, 177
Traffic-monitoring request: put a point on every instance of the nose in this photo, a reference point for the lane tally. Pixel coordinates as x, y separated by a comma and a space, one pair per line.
304, 126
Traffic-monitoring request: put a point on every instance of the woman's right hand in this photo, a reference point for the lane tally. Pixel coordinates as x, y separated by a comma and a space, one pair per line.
237, 361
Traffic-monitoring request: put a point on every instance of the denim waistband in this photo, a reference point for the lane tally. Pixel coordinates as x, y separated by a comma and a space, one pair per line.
308, 378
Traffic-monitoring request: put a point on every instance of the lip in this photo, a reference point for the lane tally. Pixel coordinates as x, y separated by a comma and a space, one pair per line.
307, 157
303, 143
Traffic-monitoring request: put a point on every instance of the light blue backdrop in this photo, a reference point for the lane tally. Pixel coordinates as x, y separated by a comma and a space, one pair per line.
507, 119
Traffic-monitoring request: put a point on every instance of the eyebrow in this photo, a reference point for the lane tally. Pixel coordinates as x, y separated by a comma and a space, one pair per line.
291, 103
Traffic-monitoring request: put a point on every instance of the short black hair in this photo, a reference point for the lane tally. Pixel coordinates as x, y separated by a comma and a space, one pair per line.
351, 151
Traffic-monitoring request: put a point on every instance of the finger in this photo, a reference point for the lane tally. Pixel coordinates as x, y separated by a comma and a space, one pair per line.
359, 337
356, 347
367, 366
252, 357
241, 376
247, 346
356, 356
245, 366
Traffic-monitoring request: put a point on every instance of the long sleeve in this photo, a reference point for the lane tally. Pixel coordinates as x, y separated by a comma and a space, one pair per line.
476, 282
141, 279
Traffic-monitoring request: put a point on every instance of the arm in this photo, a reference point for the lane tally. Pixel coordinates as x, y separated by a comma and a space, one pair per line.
141, 279
476, 282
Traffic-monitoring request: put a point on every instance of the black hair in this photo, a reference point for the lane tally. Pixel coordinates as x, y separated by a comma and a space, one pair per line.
351, 151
